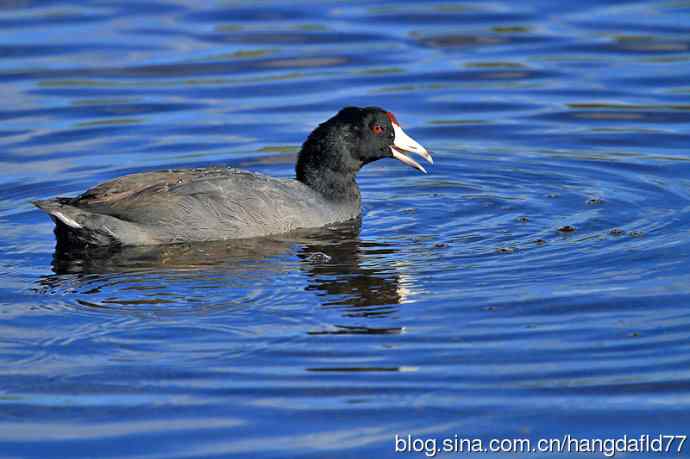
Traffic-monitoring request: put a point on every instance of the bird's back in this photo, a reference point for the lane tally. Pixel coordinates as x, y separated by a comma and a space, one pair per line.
191, 205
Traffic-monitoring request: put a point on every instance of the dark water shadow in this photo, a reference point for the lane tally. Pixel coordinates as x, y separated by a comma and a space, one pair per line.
334, 261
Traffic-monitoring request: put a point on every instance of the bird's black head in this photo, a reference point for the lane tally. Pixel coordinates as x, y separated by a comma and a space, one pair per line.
335, 151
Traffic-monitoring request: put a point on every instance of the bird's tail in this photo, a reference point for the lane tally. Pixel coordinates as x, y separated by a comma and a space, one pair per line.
78, 227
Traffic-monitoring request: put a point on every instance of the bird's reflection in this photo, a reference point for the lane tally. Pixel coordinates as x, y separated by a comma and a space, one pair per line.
344, 280
345, 272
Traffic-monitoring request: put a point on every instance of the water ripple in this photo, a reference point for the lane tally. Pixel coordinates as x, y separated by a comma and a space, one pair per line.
533, 284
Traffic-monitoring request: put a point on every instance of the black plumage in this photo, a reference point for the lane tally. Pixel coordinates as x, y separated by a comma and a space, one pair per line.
223, 203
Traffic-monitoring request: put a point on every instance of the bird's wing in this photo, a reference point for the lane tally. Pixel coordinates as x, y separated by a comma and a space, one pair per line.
122, 189
192, 203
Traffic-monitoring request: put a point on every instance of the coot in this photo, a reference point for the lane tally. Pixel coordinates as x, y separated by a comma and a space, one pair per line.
219, 203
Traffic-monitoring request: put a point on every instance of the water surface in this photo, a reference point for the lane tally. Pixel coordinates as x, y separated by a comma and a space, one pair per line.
534, 284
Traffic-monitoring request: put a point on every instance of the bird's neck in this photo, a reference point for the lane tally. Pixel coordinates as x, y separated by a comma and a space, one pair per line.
332, 184
326, 165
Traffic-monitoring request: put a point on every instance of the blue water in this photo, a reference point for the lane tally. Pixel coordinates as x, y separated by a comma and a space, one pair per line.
535, 284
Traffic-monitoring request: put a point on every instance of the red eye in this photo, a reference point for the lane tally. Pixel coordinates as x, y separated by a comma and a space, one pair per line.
377, 129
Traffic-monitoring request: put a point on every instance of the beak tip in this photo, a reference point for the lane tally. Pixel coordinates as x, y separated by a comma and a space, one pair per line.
400, 156
405, 143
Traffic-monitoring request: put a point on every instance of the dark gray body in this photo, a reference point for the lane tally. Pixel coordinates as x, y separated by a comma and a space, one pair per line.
190, 205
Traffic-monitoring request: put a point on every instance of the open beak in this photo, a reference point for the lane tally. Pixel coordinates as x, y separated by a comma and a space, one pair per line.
403, 144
